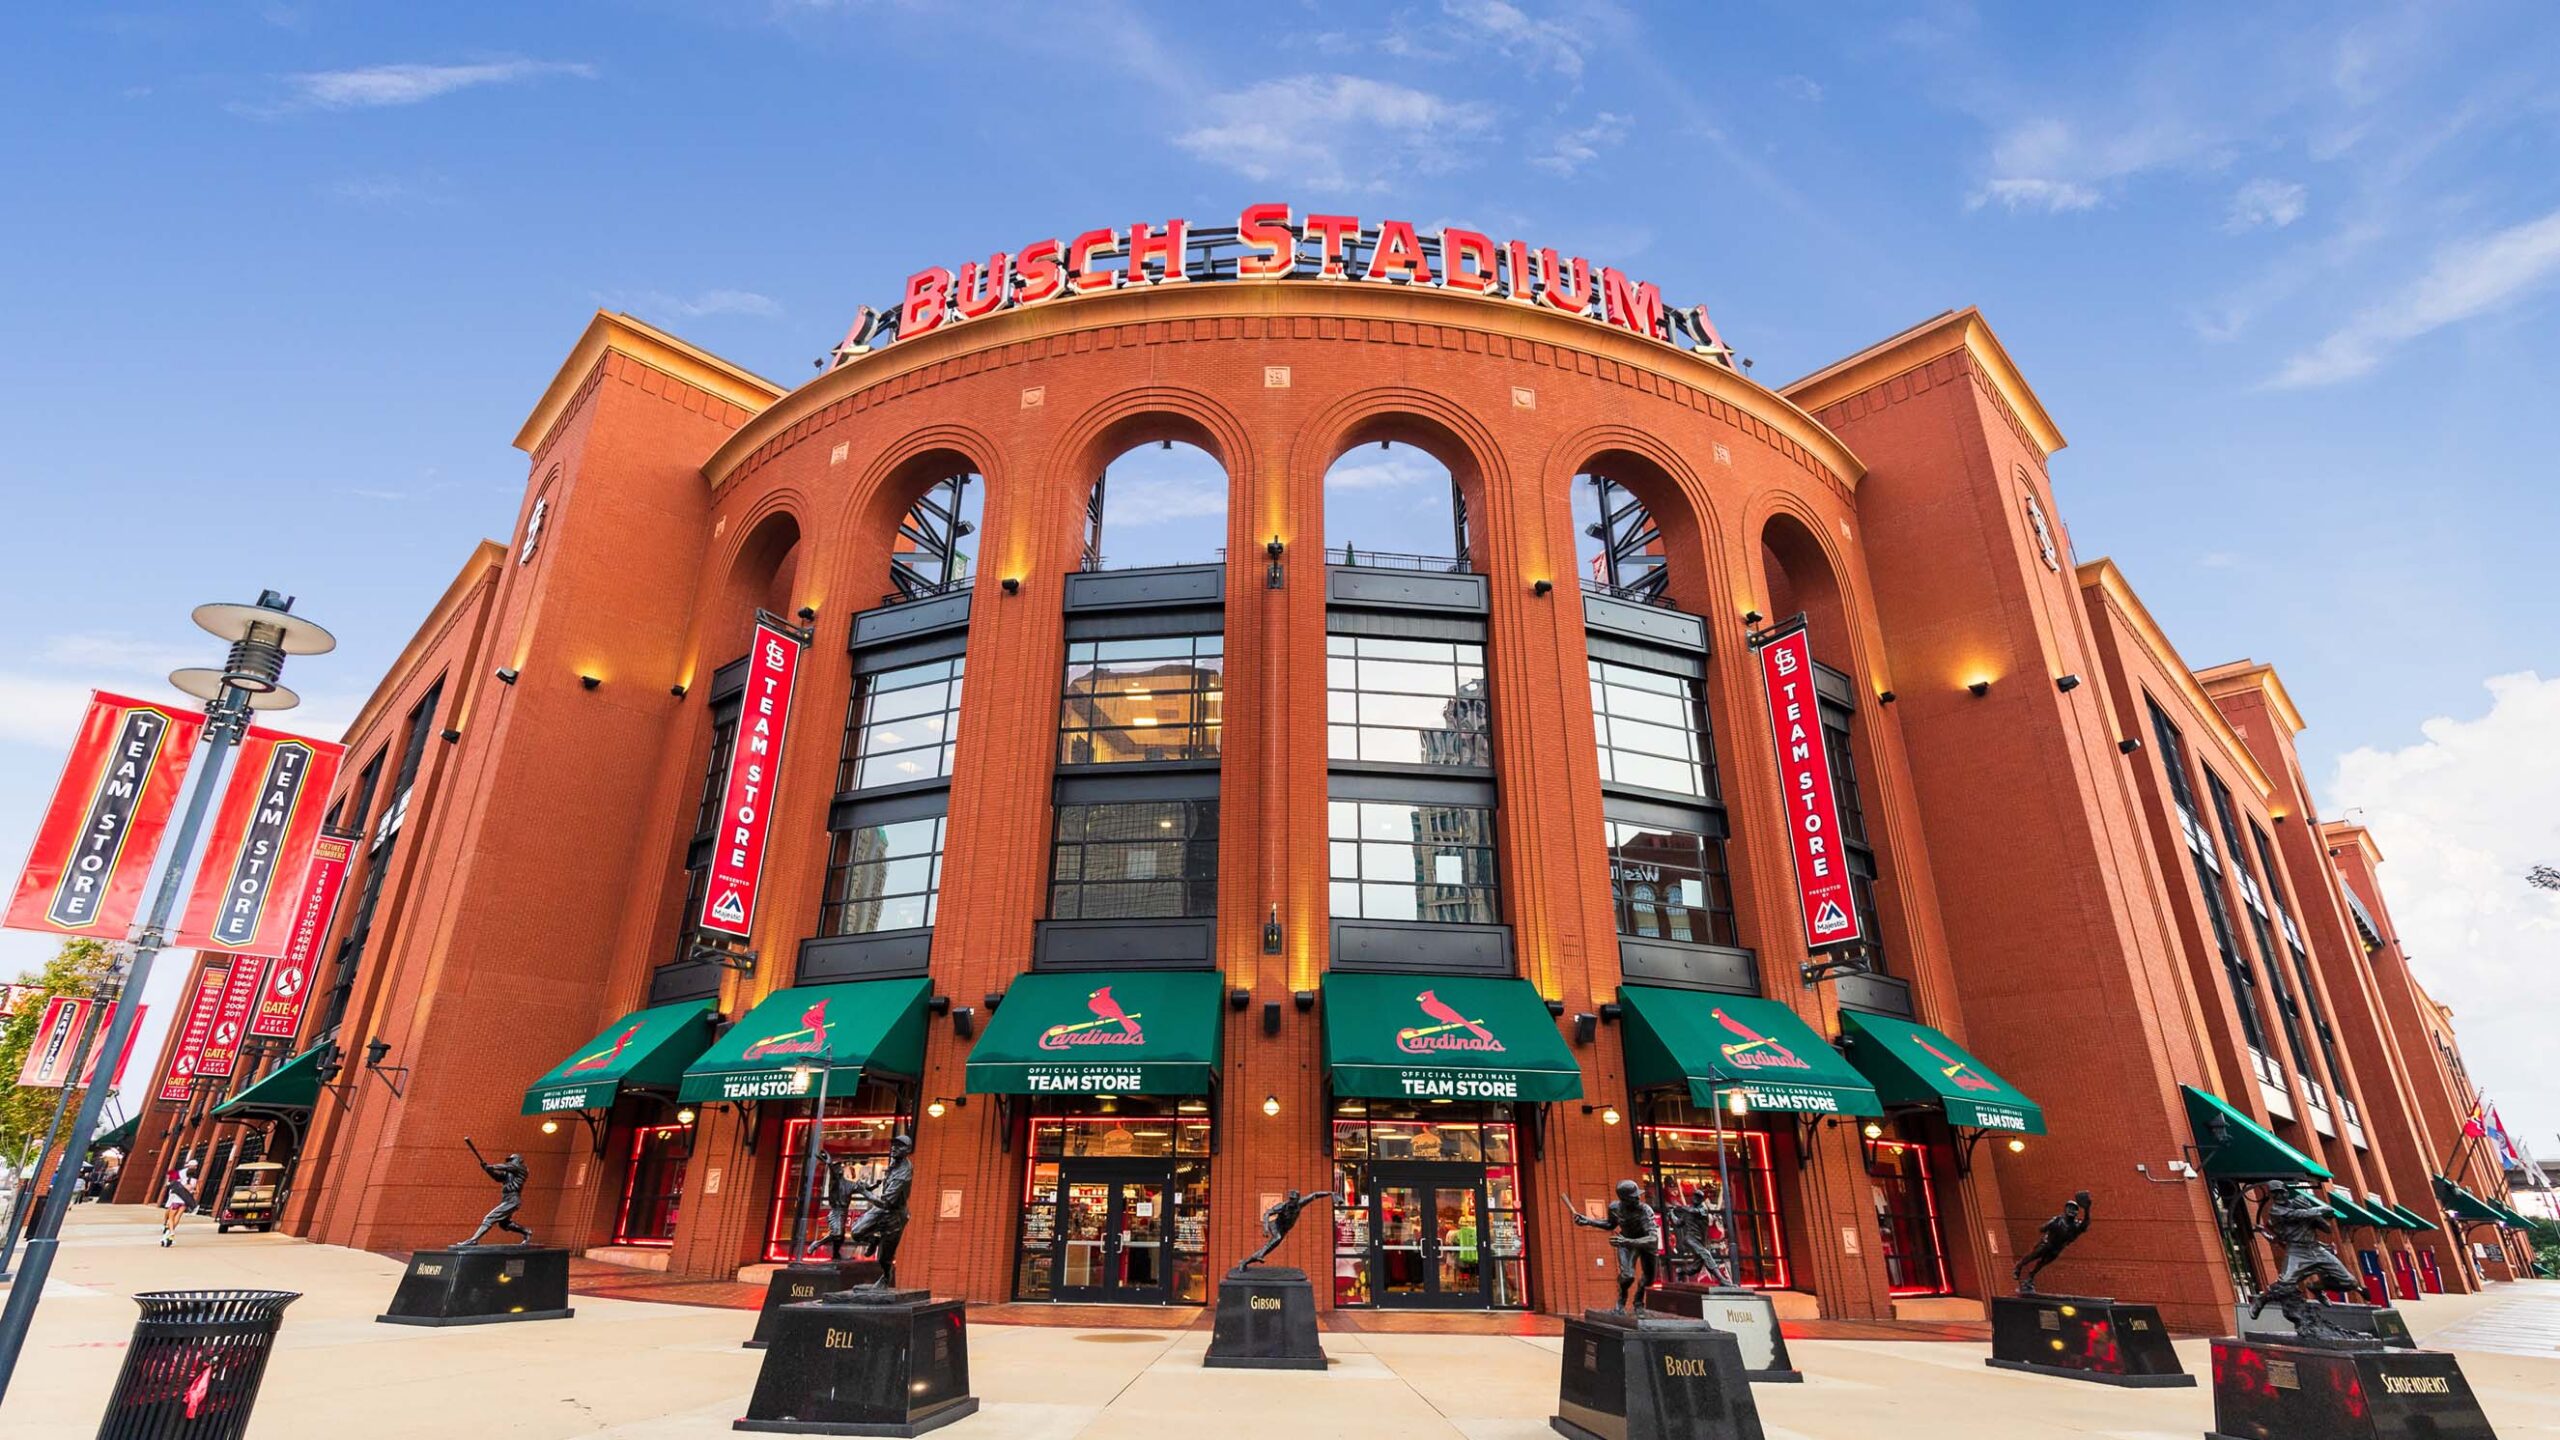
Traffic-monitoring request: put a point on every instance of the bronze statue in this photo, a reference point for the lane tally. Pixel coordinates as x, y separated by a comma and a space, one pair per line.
1279, 1220
510, 1175
1697, 1237
1634, 1233
2298, 1219
839, 1203
885, 1217
2058, 1234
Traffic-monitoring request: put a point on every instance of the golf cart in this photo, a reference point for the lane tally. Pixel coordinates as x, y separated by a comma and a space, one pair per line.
256, 1190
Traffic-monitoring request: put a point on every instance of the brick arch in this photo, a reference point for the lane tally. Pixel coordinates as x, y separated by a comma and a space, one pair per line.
866, 517
1815, 573
1674, 493
1447, 432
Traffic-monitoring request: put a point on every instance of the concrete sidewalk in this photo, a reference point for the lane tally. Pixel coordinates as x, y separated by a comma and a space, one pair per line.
634, 1371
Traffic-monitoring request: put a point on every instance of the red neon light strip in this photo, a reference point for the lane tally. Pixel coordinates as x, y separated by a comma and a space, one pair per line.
630, 1186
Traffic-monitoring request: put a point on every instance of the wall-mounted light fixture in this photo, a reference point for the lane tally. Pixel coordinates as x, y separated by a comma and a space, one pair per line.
451, 735
1978, 689
1305, 1000
937, 1108
1750, 617
676, 690
1239, 998
1884, 697
938, 1004
1608, 1113
1272, 938
550, 1127
376, 1051
994, 998
1555, 1008
808, 613
964, 1023
685, 1116
1610, 1011
2017, 1146
1013, 585
506, 674
1542, 588
2067, 684
1270, 1104
944, 1104
2128, 745
1586, 1028
1737, 1103
1275, 550
590, 681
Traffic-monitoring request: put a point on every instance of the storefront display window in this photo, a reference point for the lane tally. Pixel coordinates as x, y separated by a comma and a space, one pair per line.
903, 726
1669, 884
653, 1185
1407, 702
1427, 1207
1681, 1153
1145, 700
883, 877
1145, 859
1115, 1204
1906, 1206
859, 1140
1398, 861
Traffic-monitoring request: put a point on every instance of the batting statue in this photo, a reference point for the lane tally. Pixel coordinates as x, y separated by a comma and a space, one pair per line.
509, 1174
2299, 1220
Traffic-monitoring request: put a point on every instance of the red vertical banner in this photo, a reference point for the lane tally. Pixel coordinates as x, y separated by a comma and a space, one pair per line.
287, 987
195, 1027
260, 848
231, 1015
49, 1058
1828, 905
133, 1032
746, 796
103, 829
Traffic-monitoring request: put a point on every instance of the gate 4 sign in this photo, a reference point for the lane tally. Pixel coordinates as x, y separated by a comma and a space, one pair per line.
194, 1030
287, 987
1813, 810
102, 831
231, 1016
261, 847
746, 797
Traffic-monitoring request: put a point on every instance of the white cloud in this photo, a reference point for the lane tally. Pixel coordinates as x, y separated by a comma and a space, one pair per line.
1334, 133
1517, 35
1581, 145
2469, 279
2460, 815
1800, 87
2053, 197
695, 306
379, 85
2271, 203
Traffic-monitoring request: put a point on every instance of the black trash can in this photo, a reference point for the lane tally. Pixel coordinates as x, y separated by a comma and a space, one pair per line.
197, 1359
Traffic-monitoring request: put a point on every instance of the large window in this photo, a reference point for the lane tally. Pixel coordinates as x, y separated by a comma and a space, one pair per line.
1857, 851
1135, 860
386, 837
1669, 885
883, 877
706, 817
901, 729
2301, 968
1407, 702
2208, 867
1650, 731
2253, 902
1148, 699
1395, 860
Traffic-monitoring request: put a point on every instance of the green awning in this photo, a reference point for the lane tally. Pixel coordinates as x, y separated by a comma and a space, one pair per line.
2515, 1218
2354, 1214
773, 1053
644, 1048
2380, 1209
1103, 1032
2409, 1219
120, 1138
1912, 1064
1444, 1037
2236, 1147
2463, 1204
1714, 1044
294, 1085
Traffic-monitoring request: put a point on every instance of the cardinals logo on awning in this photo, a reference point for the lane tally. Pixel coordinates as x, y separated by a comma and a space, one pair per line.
1454, 1032
1110, 1025
809, 1039
603, 1059
1956, 1070
1755, 1051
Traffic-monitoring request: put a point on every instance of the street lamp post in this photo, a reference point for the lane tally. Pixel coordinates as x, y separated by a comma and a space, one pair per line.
106, 998
261, 636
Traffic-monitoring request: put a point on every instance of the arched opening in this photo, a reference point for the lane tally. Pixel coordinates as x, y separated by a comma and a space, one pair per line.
1800, 582
1618, 545
1396, 506
933, 551
1160, 502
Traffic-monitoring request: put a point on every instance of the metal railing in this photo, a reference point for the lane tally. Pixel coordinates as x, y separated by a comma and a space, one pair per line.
1659, 597
935, 591
1353, 555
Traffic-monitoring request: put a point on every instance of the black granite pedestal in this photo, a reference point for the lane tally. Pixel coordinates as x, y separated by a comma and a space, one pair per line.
2084, 1337
803, 1282
2380, 1322
1266, 1321
1746, 1315
2316, 1391
864, 1362
1652, 1378
482, 1285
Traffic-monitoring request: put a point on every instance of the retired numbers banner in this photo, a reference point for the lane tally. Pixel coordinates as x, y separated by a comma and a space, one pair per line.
746, 798
195, 1027
231, 1016
1813, 809
287, 987
254, 864
102, 831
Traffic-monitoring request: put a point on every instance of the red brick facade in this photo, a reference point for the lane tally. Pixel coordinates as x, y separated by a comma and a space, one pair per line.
2033, 891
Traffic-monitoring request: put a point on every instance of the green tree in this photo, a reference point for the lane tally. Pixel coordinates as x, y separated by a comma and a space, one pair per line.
25, 1112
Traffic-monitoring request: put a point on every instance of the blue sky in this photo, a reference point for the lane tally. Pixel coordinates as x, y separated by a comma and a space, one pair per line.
281, 280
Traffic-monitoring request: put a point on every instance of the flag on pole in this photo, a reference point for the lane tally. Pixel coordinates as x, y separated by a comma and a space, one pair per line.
2475, 1125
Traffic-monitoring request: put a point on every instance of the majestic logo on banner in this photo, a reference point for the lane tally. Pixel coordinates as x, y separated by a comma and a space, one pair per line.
1454, 1032
746, 796
1110, 1025
809, 1039
288, 982
1959, 1071
260, 853
1813, 810
1753, 1050
1267, 244
605, 1058
102, 830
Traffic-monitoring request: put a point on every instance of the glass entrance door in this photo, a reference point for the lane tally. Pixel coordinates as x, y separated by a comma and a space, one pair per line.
1428, 1246
1112, 1232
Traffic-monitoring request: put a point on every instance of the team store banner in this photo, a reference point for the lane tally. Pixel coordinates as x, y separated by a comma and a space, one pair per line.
194, 1030
1829, 907
287, 987
260, 850
49, 1058
746, 797
109, 810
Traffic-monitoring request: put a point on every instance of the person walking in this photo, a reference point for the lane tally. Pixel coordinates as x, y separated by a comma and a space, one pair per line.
176, 1199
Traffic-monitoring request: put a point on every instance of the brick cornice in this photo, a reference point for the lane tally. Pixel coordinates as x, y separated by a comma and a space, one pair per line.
697, 370
1870, 374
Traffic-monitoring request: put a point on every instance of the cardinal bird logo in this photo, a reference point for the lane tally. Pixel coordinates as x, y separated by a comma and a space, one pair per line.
198, 1390
1110, 1025
1446, 1035
809, 1039
1956, 1070
602, 1059
1755, 1051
